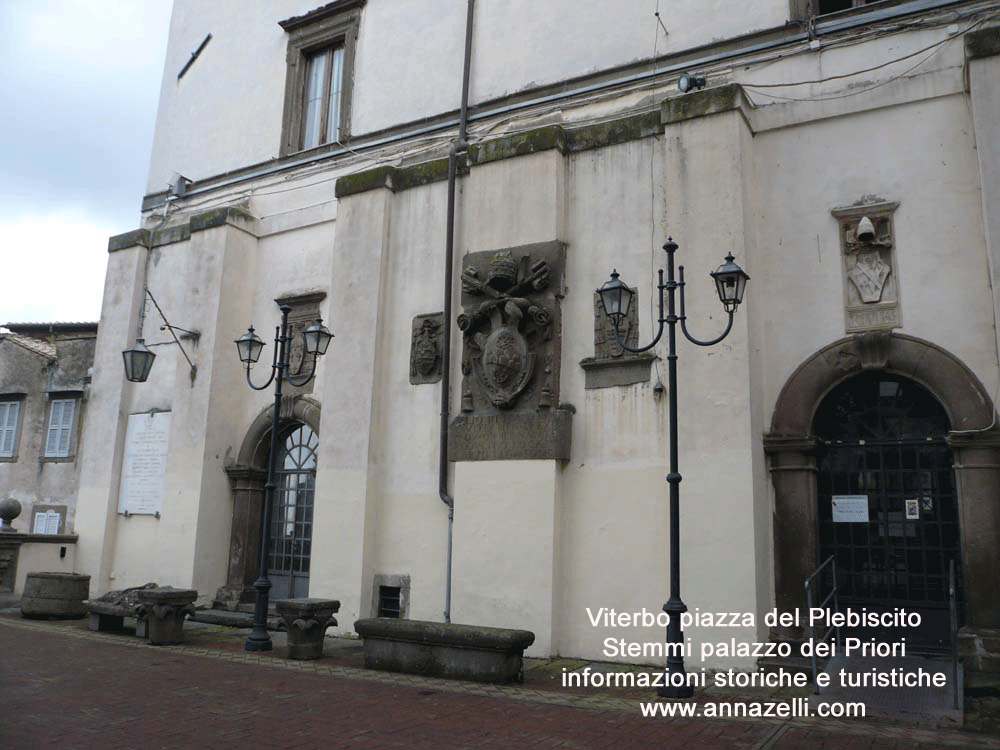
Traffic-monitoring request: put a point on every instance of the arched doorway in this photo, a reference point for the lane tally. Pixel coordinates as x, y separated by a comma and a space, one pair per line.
887, 506
796, 454
292, 513
247, 476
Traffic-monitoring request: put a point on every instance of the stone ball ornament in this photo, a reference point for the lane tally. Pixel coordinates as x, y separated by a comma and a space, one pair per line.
9, 510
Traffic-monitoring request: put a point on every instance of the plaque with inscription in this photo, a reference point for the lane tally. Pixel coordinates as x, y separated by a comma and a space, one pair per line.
145, 463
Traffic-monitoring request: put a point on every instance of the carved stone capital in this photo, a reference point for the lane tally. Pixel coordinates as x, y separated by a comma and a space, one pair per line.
306, 621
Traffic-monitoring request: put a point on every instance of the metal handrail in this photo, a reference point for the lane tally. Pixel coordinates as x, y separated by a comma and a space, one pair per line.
953, 611
832, 562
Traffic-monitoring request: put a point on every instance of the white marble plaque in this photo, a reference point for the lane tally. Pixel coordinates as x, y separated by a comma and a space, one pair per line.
850, 508
145, 463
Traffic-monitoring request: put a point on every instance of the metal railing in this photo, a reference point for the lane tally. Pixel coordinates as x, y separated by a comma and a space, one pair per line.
953, 611
824, 603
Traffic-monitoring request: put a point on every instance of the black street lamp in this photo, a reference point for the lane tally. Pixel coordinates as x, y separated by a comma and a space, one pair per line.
730, 282
317, 339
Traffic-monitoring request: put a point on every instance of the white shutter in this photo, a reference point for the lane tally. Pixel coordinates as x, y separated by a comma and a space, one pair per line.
8, 427
66, 429
59, 438
55, 419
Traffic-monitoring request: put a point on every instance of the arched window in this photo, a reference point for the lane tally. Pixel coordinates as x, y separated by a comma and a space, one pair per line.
292, 514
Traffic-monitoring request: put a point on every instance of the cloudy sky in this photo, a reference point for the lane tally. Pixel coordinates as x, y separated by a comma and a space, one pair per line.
80, 81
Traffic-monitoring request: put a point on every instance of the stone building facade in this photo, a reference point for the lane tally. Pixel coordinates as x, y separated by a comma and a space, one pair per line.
45, 372
846, 156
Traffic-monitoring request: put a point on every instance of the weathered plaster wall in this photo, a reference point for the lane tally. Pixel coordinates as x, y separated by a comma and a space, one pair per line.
537, 543
35, 378
408, 64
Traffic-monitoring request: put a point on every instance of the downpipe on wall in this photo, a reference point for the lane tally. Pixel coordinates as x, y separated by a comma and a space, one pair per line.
459, 147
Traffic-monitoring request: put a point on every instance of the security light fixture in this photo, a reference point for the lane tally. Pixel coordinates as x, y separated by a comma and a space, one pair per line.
689, 81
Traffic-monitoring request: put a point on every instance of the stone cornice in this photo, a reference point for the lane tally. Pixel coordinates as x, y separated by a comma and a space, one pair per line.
228, 215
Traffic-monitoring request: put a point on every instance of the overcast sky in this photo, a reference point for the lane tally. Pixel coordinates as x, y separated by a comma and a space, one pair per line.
80, 82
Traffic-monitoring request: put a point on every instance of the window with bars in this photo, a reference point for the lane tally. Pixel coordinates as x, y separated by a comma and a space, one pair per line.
59, 438
389, 603
319, 76
10, 414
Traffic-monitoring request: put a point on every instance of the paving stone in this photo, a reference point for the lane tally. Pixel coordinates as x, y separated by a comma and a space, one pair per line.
64, 686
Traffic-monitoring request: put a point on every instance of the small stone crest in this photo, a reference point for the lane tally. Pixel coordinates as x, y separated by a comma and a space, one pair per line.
871, 295
426, 343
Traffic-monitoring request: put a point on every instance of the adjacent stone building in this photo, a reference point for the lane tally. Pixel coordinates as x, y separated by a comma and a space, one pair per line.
45, 371
846, 153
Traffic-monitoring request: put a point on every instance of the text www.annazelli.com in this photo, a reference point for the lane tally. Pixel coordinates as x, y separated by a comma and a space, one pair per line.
764, 709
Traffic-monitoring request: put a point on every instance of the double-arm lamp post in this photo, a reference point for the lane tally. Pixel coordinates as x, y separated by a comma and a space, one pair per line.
730, 281
316, 339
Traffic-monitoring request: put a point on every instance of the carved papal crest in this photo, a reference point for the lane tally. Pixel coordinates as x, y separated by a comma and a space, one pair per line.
507, 323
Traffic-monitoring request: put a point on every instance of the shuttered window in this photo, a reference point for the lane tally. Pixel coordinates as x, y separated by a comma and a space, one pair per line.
60, 434
9, 413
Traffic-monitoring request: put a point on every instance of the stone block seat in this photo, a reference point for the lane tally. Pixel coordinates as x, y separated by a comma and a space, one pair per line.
108, 612
469, 652
58, 595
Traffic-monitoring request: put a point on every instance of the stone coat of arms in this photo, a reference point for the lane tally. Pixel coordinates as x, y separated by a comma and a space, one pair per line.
508, 321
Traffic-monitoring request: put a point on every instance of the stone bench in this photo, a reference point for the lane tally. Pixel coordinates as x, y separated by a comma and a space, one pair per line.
108, 612
55, 595
306, 621
469, 652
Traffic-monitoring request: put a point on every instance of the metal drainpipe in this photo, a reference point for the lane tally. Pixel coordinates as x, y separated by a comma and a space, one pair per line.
460, 146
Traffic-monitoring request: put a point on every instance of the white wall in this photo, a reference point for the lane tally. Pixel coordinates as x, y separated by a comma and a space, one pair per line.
226, 111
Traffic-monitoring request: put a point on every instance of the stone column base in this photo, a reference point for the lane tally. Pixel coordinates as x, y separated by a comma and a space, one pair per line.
979, 649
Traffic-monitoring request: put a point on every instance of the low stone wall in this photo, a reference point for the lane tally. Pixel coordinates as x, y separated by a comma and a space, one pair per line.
469, 652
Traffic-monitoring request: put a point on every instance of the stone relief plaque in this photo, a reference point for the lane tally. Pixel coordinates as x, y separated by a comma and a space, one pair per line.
145, 464
512, 333
426, 342
871, 294
305, 309
510, 322
611, 365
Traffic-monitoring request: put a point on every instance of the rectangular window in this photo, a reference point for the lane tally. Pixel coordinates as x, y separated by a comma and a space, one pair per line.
321, 108
46, 522
803, 9
10, 412
388, 601
59, 440
320, 70
832, 6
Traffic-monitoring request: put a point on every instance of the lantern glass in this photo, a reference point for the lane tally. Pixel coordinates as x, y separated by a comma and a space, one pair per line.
138, 362
249, 346
616, 298
317, 337
731, 282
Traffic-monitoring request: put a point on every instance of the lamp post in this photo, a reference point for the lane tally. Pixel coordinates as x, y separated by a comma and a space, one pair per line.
317, 339
730, 281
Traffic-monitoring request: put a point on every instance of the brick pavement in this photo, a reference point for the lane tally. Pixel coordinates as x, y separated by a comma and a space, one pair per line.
64, 687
